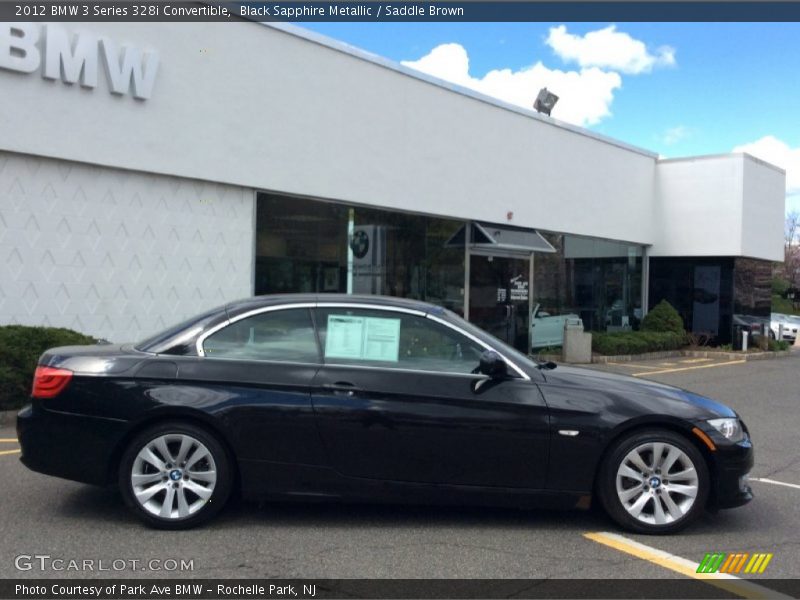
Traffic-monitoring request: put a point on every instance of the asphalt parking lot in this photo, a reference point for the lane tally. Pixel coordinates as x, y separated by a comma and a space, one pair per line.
44, 515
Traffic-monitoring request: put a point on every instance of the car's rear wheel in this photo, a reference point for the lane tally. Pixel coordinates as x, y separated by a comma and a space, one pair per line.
175, 475
654, 481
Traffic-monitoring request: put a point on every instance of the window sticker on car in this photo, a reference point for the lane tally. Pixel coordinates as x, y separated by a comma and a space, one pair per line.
344, 337
363, 338
382, 339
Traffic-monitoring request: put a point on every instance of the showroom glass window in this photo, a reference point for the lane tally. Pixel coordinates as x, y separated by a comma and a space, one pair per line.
700, 289
285, 335
301, 245
393, 340
715, 296
409, 258
598, 281
322, 247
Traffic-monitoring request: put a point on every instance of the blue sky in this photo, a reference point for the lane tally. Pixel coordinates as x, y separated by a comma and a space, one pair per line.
678, 89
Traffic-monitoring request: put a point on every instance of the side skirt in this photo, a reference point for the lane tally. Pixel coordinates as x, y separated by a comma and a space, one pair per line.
263, 480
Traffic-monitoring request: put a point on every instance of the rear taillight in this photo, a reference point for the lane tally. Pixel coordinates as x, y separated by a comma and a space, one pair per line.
48, 382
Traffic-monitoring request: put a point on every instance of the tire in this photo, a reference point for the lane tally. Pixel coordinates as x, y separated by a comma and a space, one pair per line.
181, 490
640, 496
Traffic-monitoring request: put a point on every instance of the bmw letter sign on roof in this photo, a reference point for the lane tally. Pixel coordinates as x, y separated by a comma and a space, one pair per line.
25, 47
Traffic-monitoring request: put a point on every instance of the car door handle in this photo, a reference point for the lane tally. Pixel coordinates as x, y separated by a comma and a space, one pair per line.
341, 388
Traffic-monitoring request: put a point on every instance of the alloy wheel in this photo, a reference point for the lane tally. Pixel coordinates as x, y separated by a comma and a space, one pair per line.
173, 476
657, 483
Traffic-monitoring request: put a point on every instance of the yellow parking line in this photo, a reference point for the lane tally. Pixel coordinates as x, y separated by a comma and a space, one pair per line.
696, 360
8, 440
4, 452
724, 364
631, 365
729, 583
773, 482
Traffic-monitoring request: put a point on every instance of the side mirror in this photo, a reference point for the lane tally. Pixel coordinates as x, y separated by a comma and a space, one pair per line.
493, 365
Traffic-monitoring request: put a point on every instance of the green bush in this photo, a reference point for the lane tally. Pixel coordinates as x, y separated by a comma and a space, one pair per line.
636, 342
783, 306
20, 349
780, 286
663, 318
777, 345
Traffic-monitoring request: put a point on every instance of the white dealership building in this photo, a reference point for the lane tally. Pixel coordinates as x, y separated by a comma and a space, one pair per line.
151, 171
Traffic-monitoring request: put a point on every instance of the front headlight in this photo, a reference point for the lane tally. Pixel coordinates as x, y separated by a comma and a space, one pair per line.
730, 428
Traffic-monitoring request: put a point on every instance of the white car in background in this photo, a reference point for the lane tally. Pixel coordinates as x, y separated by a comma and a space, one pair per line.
548, 330
790, 324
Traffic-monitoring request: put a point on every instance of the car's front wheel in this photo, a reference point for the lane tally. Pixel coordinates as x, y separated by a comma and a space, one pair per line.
654, 481
175, 475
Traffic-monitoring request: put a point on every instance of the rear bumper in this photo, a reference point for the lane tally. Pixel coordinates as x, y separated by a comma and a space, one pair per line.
733, 464
68, 445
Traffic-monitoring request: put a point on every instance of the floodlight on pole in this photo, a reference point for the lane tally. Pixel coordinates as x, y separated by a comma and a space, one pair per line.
545, 101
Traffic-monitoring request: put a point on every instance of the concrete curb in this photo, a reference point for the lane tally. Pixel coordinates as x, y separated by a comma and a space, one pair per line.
621, 358
602, 358
747, 356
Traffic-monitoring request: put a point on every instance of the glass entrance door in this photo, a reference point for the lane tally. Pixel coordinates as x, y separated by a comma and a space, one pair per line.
499, 298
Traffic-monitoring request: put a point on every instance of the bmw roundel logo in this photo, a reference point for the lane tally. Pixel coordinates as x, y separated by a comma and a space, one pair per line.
175, 474
359, 243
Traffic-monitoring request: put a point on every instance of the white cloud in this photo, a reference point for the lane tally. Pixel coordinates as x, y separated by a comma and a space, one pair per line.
608, 48
779, 153
447, 61
585, 96
673, 135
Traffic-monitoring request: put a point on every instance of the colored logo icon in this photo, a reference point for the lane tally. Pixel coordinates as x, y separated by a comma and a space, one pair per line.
737, 562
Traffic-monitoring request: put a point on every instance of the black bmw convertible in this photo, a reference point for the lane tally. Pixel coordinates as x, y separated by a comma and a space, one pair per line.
368, 398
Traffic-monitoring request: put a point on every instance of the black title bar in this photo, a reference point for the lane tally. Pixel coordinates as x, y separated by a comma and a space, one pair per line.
270, 589
442, 11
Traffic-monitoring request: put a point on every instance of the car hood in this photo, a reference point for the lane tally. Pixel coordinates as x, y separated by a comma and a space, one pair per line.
649, 396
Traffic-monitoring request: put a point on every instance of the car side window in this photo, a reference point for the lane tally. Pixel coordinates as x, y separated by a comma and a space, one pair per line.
393, 340
282, 335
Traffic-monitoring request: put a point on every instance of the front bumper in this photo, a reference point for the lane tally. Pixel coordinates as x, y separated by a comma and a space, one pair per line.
68, 445
732, 463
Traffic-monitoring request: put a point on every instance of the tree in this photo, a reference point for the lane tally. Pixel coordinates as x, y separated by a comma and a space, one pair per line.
791, 249
792, 232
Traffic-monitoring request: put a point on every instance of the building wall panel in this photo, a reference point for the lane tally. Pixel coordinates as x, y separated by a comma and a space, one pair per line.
117, 254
